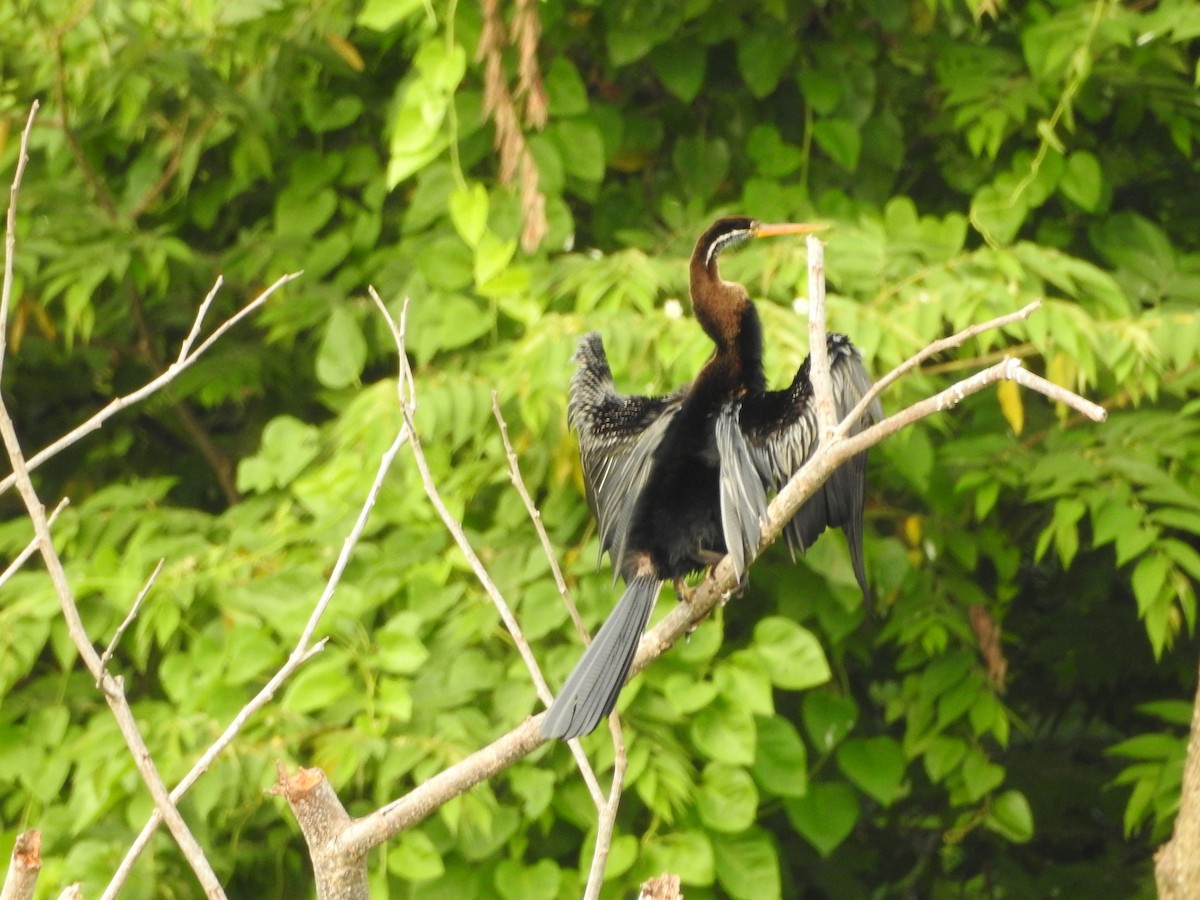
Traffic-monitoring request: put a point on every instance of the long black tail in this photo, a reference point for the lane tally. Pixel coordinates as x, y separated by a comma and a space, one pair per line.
592, 688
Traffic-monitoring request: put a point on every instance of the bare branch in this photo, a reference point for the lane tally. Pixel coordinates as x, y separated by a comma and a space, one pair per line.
31, 547
10, 232
608, 812
1025, 378
198, 322
322, 818
946, 343
24, 866
305, 649
172, 372
425, 799
1177, 862
112, 688
106, 656
408, 407
514, 474
818, 349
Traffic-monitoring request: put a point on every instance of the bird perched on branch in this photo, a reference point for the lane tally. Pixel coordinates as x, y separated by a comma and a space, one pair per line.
678, 481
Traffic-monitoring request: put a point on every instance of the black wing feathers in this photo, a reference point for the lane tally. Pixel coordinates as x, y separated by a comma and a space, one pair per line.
617, 437
781, 433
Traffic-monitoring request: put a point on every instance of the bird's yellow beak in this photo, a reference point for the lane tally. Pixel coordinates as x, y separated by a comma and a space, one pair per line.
788, 228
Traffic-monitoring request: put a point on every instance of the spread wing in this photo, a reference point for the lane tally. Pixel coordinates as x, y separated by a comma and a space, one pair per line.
780, 428
743, 500
618, 434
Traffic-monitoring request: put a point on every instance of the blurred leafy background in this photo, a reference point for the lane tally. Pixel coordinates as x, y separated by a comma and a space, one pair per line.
1009, 725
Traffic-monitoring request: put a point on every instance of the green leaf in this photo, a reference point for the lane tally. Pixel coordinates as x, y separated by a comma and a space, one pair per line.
748, 865
343, 350
1082, 181
763, 56
841, 141
825, 815
320, 683
781, 761
701, 165
566, 94
980, 776
680, 66
384, 15
288, 446
943, 755
582, 147
469, 212
792, 654
539, 881
822, 90
415, 858
1010, 816
688, 854
876, 765
1149, 579
828, 718
724, 731
727, 799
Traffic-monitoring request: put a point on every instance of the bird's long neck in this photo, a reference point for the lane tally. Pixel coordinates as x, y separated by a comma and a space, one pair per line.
727, 315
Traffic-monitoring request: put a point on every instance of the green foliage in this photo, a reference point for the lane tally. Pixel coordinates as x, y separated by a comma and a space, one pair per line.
972, 158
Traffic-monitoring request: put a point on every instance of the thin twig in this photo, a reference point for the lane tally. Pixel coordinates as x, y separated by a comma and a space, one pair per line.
514, 474
1025, 378
112, 688
407, 404
31, 547
946, 343
607, 820
106, 656
305, 649
818, 349
198, 322
10, 232
172, 372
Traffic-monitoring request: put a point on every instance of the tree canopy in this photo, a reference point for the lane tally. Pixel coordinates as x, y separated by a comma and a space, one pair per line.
1011, 721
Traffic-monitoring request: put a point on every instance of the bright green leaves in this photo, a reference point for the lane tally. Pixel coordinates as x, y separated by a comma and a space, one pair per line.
414, 857
792, 654
781, 760
288, 445
828, 718
876, 765
539, 881
418, 130
343, 350
1156, 768
728, 800
825, 815
748, 865
1009, 815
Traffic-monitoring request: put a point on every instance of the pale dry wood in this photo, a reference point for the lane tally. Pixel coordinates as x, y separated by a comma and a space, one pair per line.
23, 867
304, 650
1177, 862
31, 548
322, 818
112, 688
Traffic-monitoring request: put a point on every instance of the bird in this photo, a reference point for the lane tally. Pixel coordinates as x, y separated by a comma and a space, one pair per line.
678, 481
